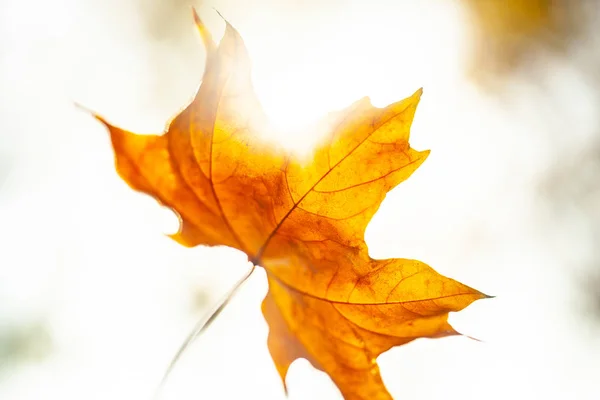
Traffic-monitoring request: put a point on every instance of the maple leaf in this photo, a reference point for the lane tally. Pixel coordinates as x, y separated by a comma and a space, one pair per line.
304, 223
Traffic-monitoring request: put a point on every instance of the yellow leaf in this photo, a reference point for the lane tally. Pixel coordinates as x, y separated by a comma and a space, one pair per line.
303, 222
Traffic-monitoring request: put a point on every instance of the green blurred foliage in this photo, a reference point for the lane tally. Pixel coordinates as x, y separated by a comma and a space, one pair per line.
28, 343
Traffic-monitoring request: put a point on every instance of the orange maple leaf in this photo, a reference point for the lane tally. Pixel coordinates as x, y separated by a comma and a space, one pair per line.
304, 223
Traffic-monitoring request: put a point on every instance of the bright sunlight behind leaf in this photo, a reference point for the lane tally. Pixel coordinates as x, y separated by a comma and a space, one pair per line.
303, 222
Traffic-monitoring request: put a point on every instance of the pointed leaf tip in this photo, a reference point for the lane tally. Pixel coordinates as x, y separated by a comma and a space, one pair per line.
220, 15
416, 96
207, 39
227, 23
197, 19
92, 113
81, 107
474, 338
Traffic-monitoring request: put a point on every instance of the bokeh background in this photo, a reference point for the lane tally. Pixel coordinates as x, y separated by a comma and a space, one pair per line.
95, 300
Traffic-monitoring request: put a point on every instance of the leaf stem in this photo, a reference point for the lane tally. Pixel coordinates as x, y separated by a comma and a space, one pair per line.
201, 326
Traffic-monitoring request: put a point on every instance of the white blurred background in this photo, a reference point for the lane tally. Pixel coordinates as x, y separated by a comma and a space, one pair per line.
95, 300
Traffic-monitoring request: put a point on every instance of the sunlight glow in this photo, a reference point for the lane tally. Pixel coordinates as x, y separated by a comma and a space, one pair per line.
309, 71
